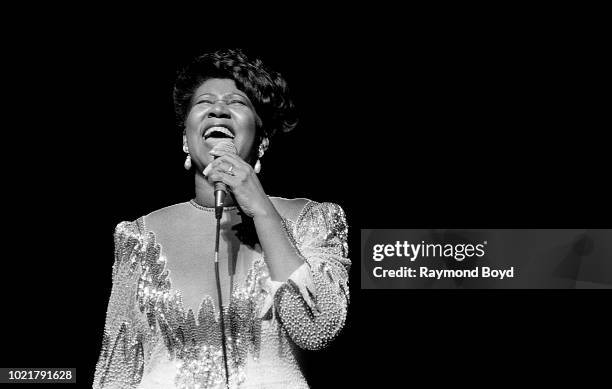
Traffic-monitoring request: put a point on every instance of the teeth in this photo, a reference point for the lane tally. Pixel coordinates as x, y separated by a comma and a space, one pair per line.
219, 129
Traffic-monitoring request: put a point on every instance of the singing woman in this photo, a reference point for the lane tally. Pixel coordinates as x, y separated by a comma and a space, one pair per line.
283, 263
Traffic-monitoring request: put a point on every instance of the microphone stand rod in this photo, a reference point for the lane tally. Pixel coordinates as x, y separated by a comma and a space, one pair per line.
218, 217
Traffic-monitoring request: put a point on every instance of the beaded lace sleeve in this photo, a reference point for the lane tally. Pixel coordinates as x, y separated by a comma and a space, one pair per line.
312, 304
121, 360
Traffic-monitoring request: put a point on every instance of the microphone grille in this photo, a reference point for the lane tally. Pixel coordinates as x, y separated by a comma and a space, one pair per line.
225, 145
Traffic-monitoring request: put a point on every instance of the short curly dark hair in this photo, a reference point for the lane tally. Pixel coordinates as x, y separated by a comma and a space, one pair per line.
266, 88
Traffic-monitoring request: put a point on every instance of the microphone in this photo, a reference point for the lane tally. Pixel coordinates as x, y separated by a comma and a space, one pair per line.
227, 146
220, 193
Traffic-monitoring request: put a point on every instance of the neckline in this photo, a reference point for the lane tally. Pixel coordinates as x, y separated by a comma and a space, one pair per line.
166, 273
211, 209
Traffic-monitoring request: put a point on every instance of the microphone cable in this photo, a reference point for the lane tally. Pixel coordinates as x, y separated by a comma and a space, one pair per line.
221, 321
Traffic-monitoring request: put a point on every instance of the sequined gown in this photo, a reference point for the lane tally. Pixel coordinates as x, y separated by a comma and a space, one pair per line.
153, 340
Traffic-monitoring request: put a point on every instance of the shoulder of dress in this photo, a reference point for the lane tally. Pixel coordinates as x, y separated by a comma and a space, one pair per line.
130, 228
162, 216
323, 209
290, 209
326, 215
144, 225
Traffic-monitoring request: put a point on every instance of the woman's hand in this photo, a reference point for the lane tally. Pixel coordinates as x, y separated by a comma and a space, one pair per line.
242, 181
240, 178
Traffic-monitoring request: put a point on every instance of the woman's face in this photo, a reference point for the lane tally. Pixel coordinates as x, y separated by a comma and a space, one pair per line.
219, 111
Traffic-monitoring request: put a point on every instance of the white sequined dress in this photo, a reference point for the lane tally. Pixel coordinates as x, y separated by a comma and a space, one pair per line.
152, 340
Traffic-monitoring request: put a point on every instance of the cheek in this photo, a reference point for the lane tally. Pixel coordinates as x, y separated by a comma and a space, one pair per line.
192, 124
246, 139
245, 145
248, 126
193, 118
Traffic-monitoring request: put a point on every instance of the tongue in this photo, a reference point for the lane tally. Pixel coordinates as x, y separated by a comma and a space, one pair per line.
225, 145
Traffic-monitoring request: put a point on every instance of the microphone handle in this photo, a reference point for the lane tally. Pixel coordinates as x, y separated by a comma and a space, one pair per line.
220, 187
220, 194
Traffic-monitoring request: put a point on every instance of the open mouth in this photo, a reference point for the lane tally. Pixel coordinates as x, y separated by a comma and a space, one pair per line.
218, 132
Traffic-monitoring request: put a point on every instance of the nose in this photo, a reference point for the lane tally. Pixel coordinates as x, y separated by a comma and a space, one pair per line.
219, 110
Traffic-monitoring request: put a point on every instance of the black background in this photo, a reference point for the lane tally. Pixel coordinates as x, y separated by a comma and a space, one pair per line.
434, 126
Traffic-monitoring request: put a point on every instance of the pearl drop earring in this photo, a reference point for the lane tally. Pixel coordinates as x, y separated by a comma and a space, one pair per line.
187, 163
